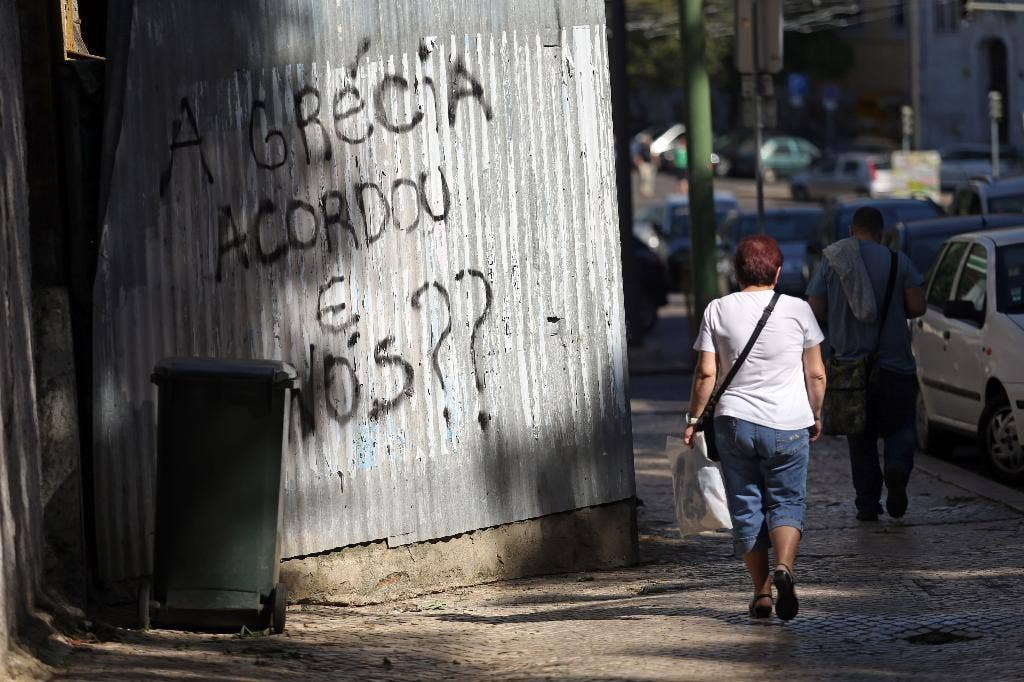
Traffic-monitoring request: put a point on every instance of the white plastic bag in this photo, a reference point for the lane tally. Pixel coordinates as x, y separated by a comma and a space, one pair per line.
697, 484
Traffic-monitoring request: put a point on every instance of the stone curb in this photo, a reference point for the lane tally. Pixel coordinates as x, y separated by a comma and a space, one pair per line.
969, 481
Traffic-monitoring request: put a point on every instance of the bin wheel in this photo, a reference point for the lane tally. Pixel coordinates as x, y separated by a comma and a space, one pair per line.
280, 607
145, 588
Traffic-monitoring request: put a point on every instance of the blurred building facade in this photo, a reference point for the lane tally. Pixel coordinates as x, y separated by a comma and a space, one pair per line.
959, 61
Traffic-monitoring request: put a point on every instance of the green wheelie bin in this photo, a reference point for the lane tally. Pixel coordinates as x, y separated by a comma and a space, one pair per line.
222, 432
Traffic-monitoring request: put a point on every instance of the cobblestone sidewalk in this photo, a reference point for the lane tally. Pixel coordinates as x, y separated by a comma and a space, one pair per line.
936, 595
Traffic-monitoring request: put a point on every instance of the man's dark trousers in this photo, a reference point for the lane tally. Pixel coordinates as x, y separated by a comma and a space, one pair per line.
892, 405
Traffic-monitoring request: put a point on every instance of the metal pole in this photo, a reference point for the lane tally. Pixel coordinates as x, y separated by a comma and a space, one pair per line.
994, 133
907, 122
915, 71
758, 121
995, 115
704, 253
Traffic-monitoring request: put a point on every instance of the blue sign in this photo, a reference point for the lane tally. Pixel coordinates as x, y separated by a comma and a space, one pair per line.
796, 85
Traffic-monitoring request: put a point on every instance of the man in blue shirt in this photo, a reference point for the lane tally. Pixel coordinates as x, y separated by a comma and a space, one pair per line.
846, 294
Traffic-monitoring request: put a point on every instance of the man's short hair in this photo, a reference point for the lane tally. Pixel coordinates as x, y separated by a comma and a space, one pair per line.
868, 220
758, 258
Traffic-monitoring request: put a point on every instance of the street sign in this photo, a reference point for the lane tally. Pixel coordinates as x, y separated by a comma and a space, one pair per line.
796, 85
759, 22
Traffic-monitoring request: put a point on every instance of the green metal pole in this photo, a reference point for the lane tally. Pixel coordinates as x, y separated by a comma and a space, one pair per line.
698, 133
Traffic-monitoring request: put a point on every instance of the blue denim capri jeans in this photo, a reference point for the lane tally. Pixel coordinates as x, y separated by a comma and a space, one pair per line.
765, 476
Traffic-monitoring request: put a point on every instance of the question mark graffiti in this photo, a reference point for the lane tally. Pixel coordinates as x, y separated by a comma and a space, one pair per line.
416, 296
444, 332
484, 418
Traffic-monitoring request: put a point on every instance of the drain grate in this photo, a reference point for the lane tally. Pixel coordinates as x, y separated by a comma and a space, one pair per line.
939, 637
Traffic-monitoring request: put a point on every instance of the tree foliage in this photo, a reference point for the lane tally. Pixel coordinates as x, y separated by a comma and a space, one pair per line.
655, 57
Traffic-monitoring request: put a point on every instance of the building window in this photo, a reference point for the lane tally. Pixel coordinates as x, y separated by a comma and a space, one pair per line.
947, 16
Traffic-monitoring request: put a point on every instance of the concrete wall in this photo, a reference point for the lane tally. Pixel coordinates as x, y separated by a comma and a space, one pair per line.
411, 202
954, 78
19, 436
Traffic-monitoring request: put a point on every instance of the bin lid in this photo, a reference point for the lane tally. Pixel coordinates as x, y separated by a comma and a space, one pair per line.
276, 372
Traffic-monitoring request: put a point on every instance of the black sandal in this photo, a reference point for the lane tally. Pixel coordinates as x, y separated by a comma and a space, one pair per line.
761, 611
787, 605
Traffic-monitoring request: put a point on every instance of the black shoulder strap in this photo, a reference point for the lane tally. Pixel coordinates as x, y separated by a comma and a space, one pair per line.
709, 409
890, 287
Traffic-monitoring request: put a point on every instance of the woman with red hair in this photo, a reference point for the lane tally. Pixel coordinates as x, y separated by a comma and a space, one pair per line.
766, 418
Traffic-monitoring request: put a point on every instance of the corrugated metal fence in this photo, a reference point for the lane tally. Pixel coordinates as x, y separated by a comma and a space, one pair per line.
413, 203
19, 434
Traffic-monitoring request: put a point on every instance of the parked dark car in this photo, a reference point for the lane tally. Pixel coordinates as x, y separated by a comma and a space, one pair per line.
792, 228
652, 280
922, 240
835, 222
985, 196
665, 228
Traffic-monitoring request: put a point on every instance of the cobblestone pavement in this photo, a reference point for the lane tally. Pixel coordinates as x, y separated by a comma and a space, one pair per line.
936, 595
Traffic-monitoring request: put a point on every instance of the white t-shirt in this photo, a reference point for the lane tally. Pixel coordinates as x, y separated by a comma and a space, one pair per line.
769, 388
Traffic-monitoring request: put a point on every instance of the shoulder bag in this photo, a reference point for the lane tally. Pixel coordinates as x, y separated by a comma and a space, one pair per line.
706, 421
845, 409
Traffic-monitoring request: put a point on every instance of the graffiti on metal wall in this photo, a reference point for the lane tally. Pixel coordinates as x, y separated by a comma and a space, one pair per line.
352, 219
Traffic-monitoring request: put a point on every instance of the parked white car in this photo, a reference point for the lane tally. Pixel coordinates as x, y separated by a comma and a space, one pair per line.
968, 348
850, 173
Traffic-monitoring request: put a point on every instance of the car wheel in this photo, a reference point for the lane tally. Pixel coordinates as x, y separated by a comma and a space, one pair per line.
1002, 446
930, 439
800, 193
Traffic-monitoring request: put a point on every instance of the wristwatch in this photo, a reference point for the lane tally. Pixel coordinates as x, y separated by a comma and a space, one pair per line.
691, 420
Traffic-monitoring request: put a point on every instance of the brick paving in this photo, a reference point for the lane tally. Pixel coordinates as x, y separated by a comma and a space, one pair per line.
936, 595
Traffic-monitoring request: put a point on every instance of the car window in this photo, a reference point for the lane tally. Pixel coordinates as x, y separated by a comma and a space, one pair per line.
1010, 204
974, 278
806, 147
891, 239
1010, 279
945, 272
782, 149
851, 167
680, 224
917, 211
827, 166
924, 248
967, 202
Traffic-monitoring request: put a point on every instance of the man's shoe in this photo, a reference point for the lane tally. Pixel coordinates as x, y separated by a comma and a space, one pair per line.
867, 515
896, 484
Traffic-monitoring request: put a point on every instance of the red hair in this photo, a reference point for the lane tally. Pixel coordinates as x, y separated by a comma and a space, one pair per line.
757, 260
